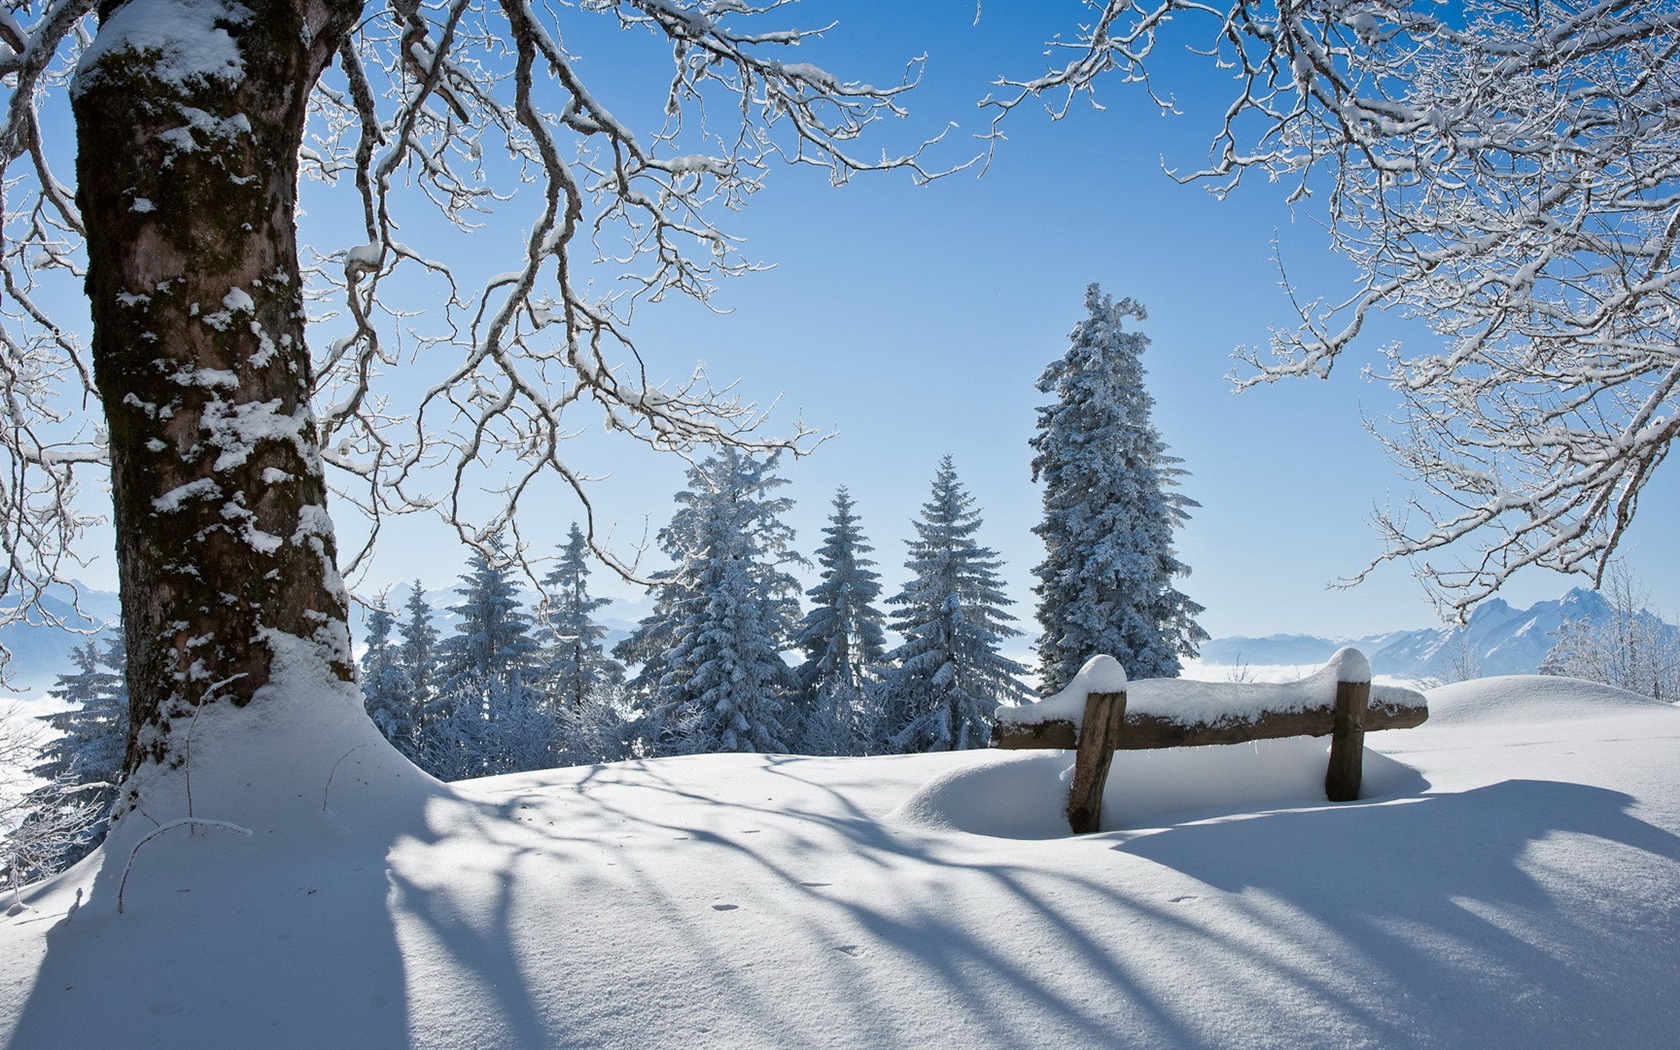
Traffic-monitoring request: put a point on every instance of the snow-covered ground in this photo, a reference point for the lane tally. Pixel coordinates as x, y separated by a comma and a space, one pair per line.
1512, 878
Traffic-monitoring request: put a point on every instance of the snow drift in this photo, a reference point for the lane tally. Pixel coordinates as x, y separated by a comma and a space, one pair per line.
1511, 879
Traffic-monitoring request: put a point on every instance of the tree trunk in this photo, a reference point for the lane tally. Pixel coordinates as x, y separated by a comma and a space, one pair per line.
187, 182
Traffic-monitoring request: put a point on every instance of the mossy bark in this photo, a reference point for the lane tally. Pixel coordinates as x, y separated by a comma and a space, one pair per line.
187, 183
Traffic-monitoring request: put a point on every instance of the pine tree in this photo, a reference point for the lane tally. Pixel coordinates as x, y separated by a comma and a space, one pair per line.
842, 637
581, 681
713, 677
1106, 584
84, 761
576, 664
416, 657
948, 676
491, 718
388, 691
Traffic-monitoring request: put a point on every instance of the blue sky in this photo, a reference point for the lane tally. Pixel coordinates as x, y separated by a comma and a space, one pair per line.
912, 322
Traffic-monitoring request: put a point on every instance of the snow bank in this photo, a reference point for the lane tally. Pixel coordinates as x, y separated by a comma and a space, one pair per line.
1519, 889
1024, 794
1530, 698
1191, 703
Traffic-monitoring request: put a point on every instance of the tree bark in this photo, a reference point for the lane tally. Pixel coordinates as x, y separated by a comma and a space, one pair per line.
187, 182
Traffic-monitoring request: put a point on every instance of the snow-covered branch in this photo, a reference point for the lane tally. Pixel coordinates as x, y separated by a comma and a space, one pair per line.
1506, 173
46, 383
608, 216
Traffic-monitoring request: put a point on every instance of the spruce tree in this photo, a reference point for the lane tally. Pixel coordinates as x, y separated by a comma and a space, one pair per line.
416, 657
948, 676
491, 717
842, 638
388, 692
1106, 583
713, 677
84, 760
576, 665
581, 681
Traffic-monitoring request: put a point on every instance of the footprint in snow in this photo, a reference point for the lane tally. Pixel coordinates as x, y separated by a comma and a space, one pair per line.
854, 950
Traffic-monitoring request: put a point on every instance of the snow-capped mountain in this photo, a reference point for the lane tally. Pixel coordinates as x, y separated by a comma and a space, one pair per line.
1497, 640
40, 652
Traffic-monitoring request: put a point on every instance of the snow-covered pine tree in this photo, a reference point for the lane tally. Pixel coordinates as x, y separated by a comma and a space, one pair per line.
491, 717
575, 663
416, 656
948, 677
1106, 583
84, 760
389, 693
843, 639
582, 682
713, 677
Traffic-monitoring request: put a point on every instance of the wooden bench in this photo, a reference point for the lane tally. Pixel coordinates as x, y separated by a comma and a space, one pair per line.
1338, 701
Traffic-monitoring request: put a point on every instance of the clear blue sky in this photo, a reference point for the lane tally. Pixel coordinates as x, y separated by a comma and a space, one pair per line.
913, 321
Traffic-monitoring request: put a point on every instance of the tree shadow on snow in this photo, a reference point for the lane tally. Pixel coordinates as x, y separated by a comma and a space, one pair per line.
232, 940
1520, 914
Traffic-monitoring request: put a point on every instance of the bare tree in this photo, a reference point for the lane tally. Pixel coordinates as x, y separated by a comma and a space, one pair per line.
1506, 171
195, 121
1628, 647
40, 822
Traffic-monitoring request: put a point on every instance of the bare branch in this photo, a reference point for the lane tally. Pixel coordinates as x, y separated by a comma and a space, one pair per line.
1507, 173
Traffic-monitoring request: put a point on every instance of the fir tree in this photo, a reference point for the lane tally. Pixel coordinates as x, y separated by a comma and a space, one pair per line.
576, 664
418, 653
948, 677
842, 638
582, 682
84, 761
416, 658
713, 677
1106, 583
392, 700
490, 717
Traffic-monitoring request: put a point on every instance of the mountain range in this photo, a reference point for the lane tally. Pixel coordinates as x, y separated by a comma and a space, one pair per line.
1496, 640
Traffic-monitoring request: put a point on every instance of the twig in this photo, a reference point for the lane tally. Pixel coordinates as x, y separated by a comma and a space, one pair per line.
122, 884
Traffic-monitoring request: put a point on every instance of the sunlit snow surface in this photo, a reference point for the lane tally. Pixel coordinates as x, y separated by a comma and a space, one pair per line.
1512, 878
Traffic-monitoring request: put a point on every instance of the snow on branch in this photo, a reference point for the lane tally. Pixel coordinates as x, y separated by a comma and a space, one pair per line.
445, 118
610, 216
46, 383
1510, 174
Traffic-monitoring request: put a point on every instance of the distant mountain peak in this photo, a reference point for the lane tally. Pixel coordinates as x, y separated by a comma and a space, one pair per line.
1496, 640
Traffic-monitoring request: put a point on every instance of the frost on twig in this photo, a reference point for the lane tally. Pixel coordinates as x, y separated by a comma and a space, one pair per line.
1505, 172
183, 822
446, 117
47, 444
619, 204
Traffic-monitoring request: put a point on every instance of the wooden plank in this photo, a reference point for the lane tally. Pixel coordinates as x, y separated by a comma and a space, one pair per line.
1057, 733
1099, 734
1146, 732
1347, 742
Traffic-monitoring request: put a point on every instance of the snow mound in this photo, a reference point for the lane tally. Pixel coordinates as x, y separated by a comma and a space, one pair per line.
1530, 698
1023, 795
1005, 794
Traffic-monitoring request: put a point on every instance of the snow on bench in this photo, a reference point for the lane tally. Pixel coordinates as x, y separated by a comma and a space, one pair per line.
1099, 712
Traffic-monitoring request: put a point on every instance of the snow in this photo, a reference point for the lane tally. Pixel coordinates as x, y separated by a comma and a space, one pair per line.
1189, 702
1511, 878
182, 33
